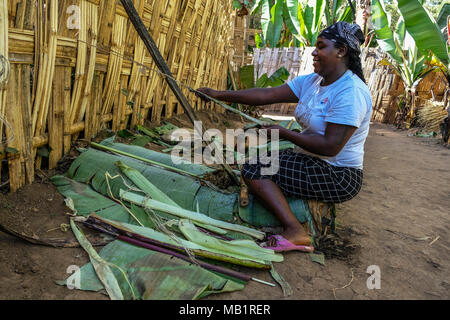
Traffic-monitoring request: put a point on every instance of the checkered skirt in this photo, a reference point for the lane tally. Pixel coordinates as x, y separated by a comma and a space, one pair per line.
309, 178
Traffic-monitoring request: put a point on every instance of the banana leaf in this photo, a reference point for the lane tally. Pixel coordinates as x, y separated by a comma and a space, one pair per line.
154, 276
246, 248
165, 129
257, 215
381, 25
266, 25
216, 253
91, 167
339, 11
277, 23
151, 190
101, 266
290, 12
278, 78
310, 18
400, 32
192, 215
195, 169
423, 29
87, 200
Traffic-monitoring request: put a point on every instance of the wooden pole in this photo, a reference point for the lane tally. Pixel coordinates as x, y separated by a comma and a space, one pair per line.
157, 57
162, 66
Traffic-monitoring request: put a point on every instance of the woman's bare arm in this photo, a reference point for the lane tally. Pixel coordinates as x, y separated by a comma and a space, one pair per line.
255, 96
329, 144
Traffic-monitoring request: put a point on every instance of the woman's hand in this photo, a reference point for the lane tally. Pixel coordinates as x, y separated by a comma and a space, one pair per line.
206, 91
271, 128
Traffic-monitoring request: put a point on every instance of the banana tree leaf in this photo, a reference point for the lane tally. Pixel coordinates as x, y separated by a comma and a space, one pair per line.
92, 165
101, 266
331, 13
336, 5
151, 190
155, 276
141, 141
196, 169
400, 32
385, 37
217, 253
290, 13
310, 20
266, 24
87, 201
423, 29
276, 79
319, 11
246, 248
291, 125
257, 215
346, 15
148, 203
256, 7
276, 22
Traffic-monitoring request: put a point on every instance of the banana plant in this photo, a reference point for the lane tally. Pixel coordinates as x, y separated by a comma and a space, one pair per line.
336, 10
297, 22
408, 62
425, 31
382, 27
412, 71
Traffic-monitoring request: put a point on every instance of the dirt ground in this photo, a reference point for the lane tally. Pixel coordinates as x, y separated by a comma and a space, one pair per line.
399, 222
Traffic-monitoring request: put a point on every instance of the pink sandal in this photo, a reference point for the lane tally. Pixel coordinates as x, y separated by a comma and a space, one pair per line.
284, 245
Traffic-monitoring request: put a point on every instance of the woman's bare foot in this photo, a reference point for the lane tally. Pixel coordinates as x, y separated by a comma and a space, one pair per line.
296, 236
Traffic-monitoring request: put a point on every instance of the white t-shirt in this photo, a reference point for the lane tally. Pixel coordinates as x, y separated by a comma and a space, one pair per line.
346, 101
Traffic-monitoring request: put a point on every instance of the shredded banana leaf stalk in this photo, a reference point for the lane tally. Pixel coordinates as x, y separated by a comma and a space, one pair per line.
151, 190
215, 253
191, 215
287, 289
101, 266
244, 248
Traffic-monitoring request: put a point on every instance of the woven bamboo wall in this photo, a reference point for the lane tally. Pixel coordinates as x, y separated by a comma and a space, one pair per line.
384, 85
243, 37
68, 82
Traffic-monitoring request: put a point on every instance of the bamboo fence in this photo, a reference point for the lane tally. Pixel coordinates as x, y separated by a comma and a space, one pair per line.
385, 86
243, 38
78, 66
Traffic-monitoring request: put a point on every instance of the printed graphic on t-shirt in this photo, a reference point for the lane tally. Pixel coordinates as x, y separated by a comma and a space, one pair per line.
304, 113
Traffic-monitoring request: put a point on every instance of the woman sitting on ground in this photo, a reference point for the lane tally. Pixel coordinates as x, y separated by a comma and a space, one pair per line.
334, 109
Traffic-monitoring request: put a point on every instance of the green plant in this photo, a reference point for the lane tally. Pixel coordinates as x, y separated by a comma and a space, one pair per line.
247, 78
425, 32
297, 22
408, 61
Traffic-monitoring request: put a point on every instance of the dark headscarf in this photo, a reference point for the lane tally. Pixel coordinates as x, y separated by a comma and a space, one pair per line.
345, 34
